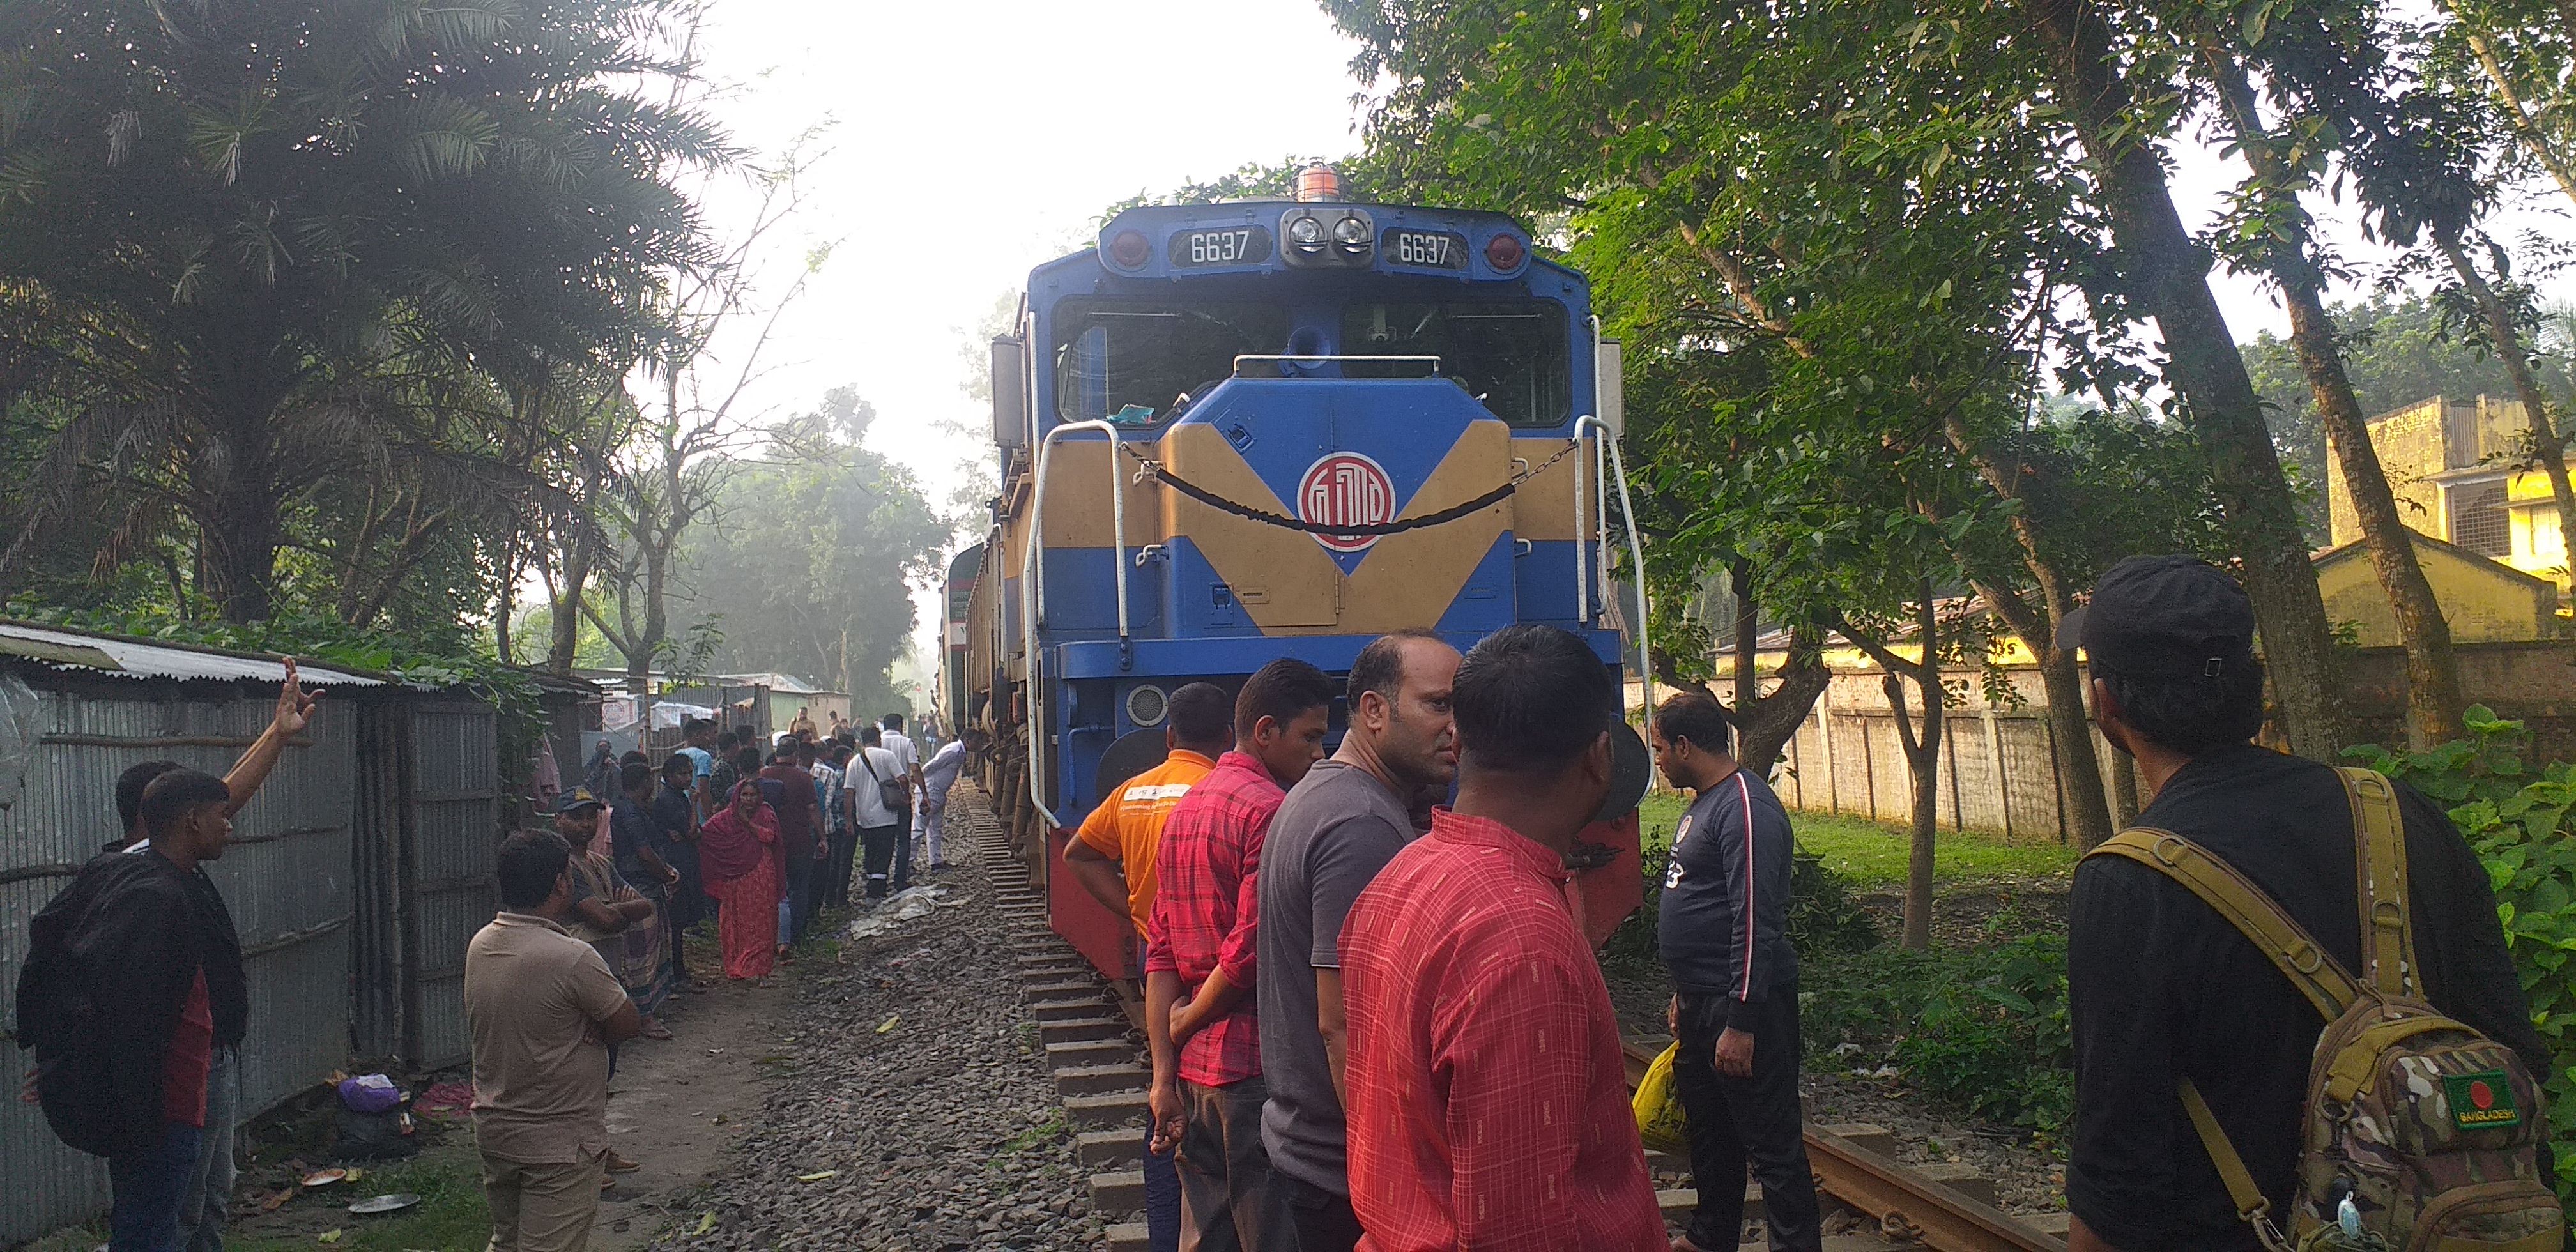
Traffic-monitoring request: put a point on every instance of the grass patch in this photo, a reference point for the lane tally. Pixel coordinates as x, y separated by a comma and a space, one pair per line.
451, 1213
1866, 854
1984, 1028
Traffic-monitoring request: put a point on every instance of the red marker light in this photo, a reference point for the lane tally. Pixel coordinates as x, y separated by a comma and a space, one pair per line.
1505, 253
1127, 250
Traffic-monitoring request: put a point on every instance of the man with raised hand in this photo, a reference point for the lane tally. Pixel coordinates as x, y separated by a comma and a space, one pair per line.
1723, 933
133, 985
1202, 959
294, 713
205, 1207
1488, 1095
1338, 827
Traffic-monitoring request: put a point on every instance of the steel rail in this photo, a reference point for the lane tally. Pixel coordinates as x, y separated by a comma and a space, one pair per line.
1904, 1203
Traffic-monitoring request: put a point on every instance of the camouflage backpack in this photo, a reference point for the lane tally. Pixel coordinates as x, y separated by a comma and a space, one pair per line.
2420, 1133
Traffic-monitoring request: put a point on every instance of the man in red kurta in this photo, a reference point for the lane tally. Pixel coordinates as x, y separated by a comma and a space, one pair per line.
1488, 1097
1202, 946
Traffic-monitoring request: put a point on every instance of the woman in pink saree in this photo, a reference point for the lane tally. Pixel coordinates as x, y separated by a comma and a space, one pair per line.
736, 854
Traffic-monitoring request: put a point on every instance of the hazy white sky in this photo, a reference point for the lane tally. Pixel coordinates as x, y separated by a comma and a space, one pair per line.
974, 139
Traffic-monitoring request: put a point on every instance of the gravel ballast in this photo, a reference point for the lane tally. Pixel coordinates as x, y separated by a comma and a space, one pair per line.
914, 1081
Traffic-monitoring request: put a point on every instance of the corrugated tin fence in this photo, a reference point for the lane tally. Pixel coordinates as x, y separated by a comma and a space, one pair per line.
355, 878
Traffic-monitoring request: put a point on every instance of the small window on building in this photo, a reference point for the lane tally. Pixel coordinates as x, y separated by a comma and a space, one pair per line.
2479, 521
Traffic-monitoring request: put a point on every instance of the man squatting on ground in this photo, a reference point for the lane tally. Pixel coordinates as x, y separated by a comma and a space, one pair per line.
1488, 1096
2160, 987
1722, 929
543, 1011
1202, 955
1337, 828
134, 1000
1112, 857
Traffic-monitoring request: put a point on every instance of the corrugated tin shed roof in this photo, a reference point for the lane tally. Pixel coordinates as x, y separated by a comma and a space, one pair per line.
73, 650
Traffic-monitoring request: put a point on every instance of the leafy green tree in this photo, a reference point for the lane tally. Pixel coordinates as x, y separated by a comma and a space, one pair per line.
2424, 164
2269, 231
223, 224
2115, 77
1838, 249
812, 566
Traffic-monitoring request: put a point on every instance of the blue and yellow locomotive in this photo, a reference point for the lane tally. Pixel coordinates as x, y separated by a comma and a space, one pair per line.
1234, 432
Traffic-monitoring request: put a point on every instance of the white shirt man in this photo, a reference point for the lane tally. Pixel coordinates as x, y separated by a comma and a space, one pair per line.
879, 827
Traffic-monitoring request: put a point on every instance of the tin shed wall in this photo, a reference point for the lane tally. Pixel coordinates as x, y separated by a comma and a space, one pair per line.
286, 880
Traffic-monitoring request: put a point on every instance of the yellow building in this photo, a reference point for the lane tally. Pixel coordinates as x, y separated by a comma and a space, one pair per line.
2485, 600
2461, 474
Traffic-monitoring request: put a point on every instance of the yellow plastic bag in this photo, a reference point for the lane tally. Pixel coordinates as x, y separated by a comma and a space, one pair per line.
1659, 1107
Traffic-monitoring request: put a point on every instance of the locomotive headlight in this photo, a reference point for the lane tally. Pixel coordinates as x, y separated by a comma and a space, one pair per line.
1351, 235
1129, 249
1306, 233
1147, 704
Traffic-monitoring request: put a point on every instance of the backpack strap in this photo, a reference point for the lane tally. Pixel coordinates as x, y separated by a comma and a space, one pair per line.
2298, 957
2252, 1207
2379, 866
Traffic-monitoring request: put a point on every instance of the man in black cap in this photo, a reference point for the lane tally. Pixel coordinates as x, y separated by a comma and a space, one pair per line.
2161, 988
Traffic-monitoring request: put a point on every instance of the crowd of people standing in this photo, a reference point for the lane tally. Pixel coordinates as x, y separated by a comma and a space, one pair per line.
759, 839
1417, 1051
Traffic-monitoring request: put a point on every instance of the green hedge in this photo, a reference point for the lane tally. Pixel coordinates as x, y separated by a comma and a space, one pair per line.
2517, 819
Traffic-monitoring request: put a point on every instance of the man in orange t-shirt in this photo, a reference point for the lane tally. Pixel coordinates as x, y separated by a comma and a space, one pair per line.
1112, 856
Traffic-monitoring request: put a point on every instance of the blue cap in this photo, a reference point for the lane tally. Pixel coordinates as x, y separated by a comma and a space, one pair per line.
577, 799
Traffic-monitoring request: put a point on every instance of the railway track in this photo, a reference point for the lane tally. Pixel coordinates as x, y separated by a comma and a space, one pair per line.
1911, 1206
1088, 1032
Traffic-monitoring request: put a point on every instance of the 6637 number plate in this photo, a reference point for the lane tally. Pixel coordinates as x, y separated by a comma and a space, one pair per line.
1219, 246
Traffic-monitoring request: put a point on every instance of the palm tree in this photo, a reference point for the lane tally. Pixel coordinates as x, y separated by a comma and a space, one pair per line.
236, 235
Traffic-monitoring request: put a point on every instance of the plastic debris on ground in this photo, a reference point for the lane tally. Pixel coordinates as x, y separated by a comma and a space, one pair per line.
890, 914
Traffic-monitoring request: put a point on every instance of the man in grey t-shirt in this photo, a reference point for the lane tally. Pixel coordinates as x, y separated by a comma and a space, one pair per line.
1337, 829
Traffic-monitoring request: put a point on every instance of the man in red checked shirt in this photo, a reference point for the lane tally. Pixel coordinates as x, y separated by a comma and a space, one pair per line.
1201, 949
1488, 1098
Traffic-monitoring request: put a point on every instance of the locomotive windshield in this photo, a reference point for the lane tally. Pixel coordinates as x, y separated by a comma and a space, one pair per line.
1126, 357
1509, 354
1141, 362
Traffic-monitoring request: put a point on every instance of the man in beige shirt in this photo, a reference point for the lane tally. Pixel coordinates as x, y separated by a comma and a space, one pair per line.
543, 1008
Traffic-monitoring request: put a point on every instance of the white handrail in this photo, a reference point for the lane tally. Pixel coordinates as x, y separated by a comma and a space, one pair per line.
1033, 590
1636, 554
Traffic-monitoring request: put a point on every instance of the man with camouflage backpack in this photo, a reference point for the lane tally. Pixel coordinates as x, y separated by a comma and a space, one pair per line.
2210, 947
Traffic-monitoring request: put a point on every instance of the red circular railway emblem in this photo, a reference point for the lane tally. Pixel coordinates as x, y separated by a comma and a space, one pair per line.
1347, 489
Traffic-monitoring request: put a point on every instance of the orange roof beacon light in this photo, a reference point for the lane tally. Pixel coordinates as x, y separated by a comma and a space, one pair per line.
1319, 183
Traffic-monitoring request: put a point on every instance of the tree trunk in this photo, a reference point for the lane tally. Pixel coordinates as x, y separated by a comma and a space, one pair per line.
2433, 702
2170, 274
238, 531
2509, 99
1748, 633
1762, 730
1923, 766
2079, 769
1922, 755
2507, 339
2434, 705
563, 646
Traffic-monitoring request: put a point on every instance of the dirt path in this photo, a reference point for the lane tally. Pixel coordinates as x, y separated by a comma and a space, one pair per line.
679, 1107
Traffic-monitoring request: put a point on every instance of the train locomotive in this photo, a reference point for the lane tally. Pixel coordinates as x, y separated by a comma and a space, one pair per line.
1239, 431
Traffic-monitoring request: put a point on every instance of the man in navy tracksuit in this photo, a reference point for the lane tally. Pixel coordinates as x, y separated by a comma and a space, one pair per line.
1722, 929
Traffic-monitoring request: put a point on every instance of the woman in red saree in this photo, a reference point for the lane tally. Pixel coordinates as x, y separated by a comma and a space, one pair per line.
736, 855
